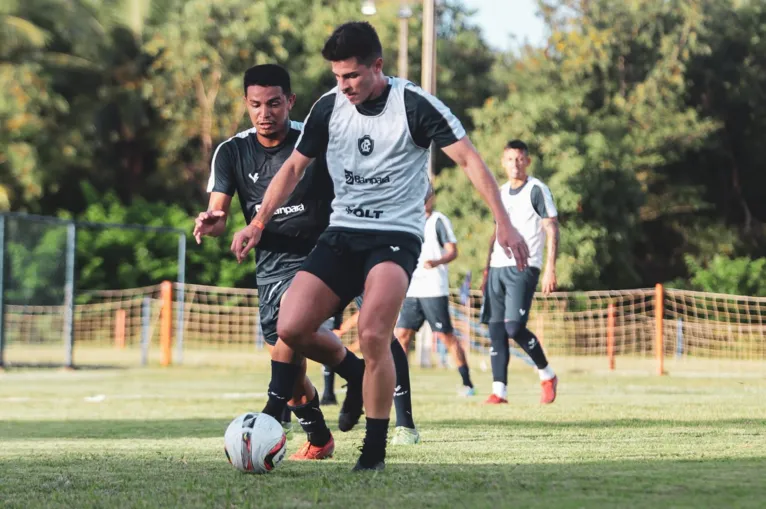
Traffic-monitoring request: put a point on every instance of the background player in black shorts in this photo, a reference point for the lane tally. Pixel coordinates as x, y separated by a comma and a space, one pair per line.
245, 164
428, 294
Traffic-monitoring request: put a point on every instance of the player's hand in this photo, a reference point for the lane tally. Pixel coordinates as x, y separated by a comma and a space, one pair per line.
549, 282
245, 240
206, 222
429, 264
513, 243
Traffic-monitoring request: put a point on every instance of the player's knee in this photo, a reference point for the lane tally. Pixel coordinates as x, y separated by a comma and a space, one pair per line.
374, 342
289, 332
448, 339
404, 334
513, 328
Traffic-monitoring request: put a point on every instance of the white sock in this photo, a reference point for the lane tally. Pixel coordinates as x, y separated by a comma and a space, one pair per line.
499, 389
546, 374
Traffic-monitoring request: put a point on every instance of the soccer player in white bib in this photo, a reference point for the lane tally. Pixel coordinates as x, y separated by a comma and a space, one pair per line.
508, 291
375, 131
428, 294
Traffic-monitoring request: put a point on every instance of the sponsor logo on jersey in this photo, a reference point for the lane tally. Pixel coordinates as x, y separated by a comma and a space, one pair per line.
253, 177
352, 179
368, 213
291, 209
366, 145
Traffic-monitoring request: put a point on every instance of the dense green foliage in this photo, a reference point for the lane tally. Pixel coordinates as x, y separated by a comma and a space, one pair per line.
645, 117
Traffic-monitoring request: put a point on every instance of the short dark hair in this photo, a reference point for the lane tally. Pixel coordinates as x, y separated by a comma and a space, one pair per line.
518, 145
355, 39
268, 75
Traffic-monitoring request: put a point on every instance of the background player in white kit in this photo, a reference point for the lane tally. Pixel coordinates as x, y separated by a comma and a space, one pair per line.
428, 294
508, 291
376, 132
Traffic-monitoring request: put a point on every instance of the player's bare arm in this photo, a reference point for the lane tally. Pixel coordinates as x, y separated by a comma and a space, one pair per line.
450, 253
464, 154
551, 227
279, 190
212, 222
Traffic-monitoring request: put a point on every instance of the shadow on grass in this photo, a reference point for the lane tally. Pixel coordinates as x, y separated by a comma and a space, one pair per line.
596, 424
117, 429
106, 480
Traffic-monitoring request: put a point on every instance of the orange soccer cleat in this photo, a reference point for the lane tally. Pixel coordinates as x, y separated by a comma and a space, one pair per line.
309, 452
548, 394
494, 399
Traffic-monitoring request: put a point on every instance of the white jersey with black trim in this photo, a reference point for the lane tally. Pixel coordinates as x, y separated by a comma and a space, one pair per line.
378, 158
527, 206
432, 282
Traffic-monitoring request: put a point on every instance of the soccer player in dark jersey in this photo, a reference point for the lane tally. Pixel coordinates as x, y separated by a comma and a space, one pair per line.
245, 164
374, 132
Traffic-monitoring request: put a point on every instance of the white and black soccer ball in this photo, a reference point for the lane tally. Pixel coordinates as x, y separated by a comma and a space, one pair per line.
255, 443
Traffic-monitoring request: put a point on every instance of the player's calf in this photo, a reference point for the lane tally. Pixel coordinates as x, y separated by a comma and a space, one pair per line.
311, 419
531, 345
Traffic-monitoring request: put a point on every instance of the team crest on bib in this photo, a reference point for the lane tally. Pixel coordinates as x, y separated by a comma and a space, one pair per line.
365, 144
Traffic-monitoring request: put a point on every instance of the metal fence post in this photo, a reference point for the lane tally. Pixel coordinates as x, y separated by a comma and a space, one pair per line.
71, 243
2, 291
146, 322
180, 298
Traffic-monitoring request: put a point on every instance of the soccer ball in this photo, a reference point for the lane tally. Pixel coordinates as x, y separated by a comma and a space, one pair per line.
255, 443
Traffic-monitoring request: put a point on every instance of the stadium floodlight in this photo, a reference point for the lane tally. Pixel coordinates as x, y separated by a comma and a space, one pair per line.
368, 8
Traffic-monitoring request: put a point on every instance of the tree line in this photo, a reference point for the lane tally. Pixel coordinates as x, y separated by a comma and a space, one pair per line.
645, 117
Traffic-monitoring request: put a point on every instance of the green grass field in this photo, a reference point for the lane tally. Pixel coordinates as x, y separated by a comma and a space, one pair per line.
153, 438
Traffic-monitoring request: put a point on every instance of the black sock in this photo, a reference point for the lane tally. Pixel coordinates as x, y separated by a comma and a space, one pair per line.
283, 378
329, 382
465, 375
286, 414
374, 448
530, 344
499, 355
312, 421
351, 368
402, 395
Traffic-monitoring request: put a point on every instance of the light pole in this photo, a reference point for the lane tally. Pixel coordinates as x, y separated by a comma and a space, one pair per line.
428, 68
405, 13
428, 71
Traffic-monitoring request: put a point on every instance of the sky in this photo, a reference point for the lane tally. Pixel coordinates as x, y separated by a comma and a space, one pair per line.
500, 18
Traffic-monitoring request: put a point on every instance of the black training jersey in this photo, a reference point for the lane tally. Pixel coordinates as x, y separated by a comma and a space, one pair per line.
243, 165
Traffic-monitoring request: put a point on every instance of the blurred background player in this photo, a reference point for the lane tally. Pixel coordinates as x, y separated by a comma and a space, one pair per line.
245, 164
508, 292
428, 294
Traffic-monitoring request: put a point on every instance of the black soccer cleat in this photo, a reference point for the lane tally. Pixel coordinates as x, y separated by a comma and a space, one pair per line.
378, 466
352, 408
328, 399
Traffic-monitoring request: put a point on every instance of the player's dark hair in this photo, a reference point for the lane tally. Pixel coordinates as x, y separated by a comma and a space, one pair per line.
356, 39
518, 145
268, 75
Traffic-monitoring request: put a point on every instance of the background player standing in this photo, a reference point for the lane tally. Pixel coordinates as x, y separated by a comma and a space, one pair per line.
428, 294
508, 291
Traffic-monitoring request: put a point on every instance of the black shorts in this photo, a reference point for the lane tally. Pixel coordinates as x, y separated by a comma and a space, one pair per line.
269, 300
343, 258
508, 294
416, 310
